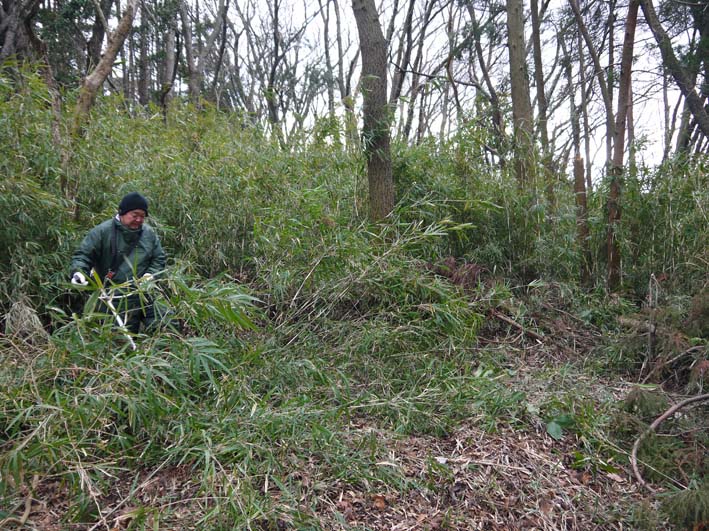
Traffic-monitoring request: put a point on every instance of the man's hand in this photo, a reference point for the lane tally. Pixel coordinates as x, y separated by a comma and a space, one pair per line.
78, 279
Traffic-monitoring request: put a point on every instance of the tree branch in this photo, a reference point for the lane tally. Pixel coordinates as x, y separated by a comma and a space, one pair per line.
686, 86
659, 420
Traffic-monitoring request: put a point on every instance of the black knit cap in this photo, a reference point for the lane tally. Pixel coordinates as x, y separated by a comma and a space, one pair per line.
133, 201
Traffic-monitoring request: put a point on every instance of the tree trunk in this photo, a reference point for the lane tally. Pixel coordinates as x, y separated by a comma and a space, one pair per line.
192, 81
271, 88
616, 170
169, 70
330, 76
630, 125
684, 134
416, 87
582, 229
15, 33
344, 83
215, 91
542, 104
98, 32
580, 187
585, 86
610, 25
196, 62
602, 82
375, 129
143, 67
521, 104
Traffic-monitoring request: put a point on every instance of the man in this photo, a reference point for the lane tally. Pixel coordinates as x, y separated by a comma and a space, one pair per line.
122, 249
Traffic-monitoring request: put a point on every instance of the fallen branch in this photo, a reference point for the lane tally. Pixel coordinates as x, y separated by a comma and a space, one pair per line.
659, 420
515, 324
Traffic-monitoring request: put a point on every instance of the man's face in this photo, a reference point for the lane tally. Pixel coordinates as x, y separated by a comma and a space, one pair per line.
133, 219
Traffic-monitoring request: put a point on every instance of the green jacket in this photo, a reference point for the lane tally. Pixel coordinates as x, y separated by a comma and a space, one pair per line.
96, 251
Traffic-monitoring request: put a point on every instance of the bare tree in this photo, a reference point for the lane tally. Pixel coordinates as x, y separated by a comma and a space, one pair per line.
143, 59
585, 89
684, 81
277, 55
89, 89
196, 57
403, 56
489, 91
600, 77
580, 190
330, 78
542, 104
417, 67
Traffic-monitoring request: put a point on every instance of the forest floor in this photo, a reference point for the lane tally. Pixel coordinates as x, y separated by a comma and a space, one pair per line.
512, 475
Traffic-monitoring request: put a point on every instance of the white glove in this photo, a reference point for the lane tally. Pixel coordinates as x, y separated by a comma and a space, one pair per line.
78, 279
146, 277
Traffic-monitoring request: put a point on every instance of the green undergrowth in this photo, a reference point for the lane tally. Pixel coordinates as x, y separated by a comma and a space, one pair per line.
244, 408
268, 409
299, 342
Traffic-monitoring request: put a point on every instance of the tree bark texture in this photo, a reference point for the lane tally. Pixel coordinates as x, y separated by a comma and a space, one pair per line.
376, 116
169, 70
